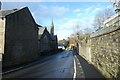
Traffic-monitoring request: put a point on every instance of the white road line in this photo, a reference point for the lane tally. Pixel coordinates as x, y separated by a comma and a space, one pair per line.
74, 70
12, 70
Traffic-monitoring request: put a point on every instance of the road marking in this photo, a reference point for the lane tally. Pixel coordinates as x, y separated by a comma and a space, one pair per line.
74, 70
12, 70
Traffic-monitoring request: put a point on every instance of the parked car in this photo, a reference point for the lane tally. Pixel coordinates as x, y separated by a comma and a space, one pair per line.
61, 46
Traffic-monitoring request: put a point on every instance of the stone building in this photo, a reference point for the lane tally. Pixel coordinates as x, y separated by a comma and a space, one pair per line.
18, 37
47, 41
44, 40
54, 42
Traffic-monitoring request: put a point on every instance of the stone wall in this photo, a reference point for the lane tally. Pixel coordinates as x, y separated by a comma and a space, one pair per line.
21, 38
105, 53
84, 50
103, 49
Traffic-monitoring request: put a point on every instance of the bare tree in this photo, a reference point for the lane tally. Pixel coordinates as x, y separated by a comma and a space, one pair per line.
87, 31
102, 16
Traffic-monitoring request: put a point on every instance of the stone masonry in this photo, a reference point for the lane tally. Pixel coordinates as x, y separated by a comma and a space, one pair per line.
105, 52
21, 37
103, 48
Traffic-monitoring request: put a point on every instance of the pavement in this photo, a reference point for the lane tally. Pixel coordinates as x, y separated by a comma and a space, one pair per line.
89, 70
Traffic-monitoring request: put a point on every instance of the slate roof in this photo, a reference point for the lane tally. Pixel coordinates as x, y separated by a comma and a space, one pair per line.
53, 37
4, 13
50, 36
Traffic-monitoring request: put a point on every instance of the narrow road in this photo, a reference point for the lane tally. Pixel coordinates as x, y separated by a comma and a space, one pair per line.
61, 65
56, 66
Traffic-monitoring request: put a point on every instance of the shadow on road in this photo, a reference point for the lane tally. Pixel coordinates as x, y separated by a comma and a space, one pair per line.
89, 70
41, 59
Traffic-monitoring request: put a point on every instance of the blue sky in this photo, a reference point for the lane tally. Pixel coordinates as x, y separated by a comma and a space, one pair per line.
66, 15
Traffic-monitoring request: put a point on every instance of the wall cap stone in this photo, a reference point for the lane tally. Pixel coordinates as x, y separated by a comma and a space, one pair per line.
108, 29
104, 31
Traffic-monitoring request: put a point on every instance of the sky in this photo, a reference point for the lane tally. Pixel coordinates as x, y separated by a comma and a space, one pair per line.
66, 15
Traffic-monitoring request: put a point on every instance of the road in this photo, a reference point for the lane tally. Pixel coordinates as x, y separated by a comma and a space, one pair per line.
61, 65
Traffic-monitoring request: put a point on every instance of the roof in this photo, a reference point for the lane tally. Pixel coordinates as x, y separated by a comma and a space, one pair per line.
53, 37
4, 13
38, 25
50, 36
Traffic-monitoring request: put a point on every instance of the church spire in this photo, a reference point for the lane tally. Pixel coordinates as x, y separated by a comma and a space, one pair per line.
52, 28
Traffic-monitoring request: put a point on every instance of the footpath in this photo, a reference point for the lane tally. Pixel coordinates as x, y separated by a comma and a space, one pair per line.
88, 69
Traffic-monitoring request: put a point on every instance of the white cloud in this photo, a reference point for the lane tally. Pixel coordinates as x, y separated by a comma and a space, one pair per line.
89, 9
109, 6
65, 18
77, 10
52, 11
79, 14
69, 24
69, 27
63, 34
97, 9
93, 10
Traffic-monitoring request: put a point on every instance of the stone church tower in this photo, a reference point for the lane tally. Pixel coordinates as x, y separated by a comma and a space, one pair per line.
52, 28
